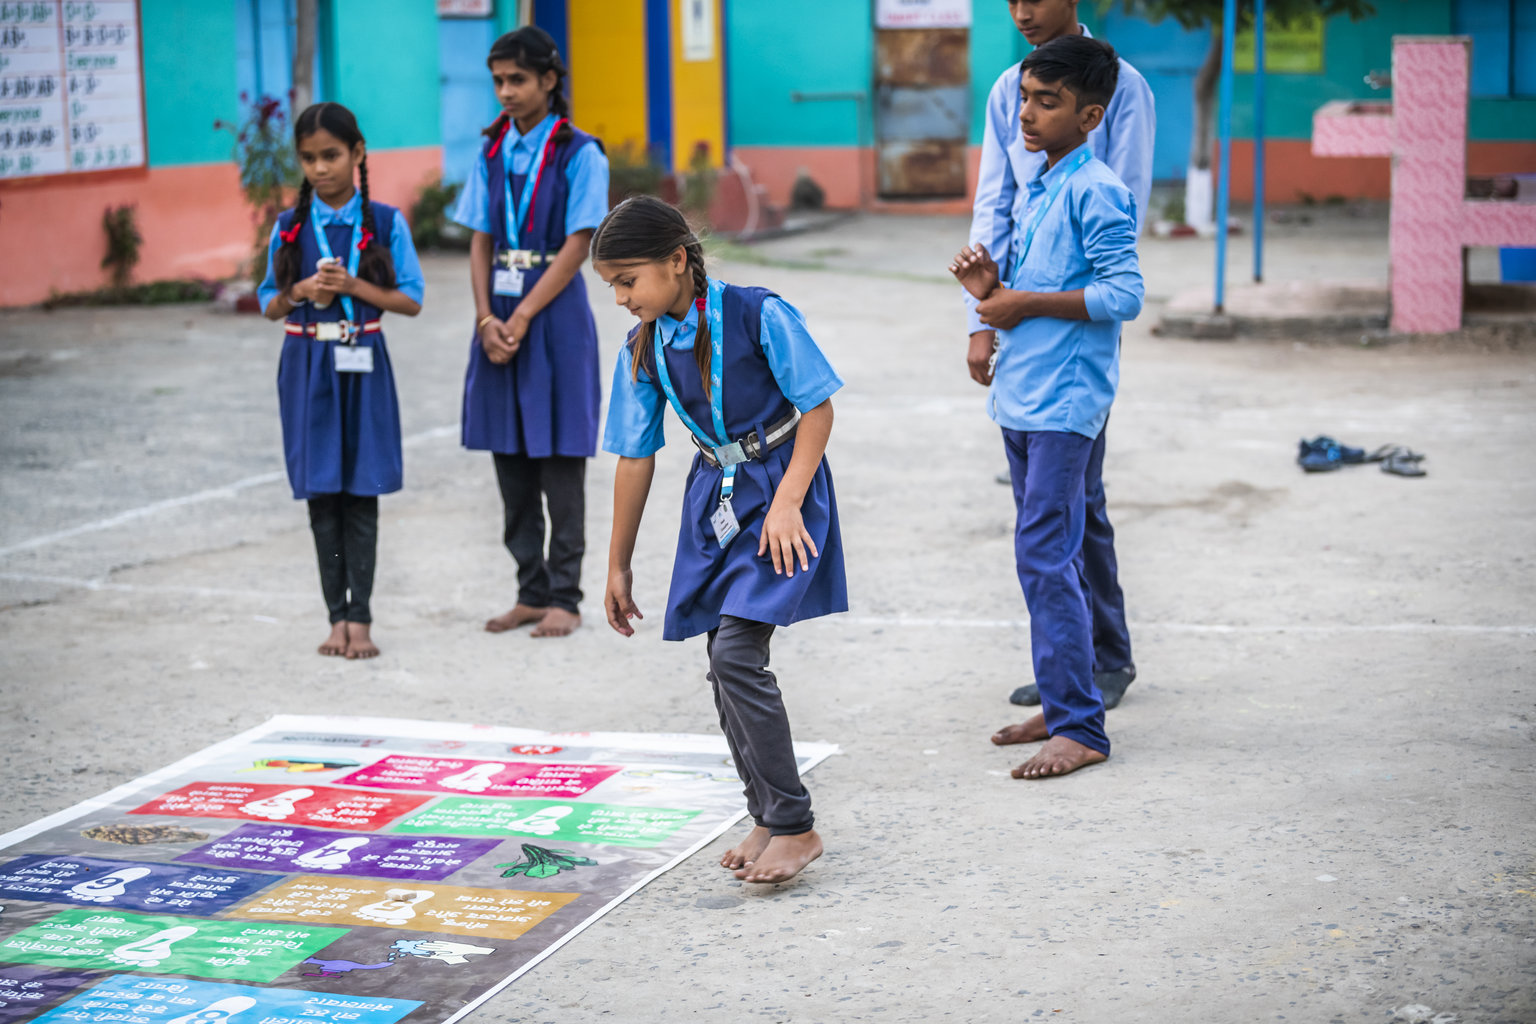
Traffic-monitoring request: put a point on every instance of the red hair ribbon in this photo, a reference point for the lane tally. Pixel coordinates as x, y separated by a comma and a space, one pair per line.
506, 122
367, 240
698, 304
292, 234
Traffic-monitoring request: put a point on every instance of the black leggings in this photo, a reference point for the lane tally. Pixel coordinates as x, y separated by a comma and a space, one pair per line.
346, 529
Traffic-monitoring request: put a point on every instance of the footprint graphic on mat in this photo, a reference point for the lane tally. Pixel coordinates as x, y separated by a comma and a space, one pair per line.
398, 906
333, 856
476, 779
152, 949
216, 1013
277, 807
108, 887
545, 822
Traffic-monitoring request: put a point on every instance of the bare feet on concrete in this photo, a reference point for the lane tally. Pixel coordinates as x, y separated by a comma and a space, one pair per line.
335, 645
1032, 731
557, 622
1059, 756
359, 643
520, 615
782, 859
748, 850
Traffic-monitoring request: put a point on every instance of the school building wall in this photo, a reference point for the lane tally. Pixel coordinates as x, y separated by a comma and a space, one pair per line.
824, 53
190, 210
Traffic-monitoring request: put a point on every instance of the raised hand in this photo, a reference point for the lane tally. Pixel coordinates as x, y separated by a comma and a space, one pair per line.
974, 268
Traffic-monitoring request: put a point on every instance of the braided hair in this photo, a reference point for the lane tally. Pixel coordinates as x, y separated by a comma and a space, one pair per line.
534, 50
643, 229
375, 264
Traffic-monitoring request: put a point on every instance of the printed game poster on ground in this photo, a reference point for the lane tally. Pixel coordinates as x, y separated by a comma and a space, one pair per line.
345, 870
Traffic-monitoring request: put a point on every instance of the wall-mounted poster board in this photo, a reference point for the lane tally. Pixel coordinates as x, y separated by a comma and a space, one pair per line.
71, 87
922, 13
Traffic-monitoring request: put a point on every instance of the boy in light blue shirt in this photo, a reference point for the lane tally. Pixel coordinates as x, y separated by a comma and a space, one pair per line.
1124, 141
1074, 280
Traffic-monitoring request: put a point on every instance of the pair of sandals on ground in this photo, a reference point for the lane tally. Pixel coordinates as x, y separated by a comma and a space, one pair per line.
1322, 454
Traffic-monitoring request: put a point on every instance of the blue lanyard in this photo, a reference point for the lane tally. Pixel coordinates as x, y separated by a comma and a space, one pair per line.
518, 214
716, 383
354, 254
1084, 154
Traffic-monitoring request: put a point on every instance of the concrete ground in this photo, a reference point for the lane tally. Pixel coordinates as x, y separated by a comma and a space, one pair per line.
1319, 806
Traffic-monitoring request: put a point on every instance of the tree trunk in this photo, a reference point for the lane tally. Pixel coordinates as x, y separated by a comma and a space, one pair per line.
1198, 207
304, 30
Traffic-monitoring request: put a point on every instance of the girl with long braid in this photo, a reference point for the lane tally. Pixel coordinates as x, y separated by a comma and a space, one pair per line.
336, 262
759, 545
531, 390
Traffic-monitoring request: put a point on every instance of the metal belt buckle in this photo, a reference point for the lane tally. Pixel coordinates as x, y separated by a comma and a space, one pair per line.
517, 259
331, 331
730, 455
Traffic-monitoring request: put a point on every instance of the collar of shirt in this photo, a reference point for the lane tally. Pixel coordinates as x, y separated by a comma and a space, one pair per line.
348, 213
1047, 176
518, 141
679, 334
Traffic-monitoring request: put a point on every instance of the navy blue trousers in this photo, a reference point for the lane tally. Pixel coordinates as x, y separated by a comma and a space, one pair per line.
1111, 638
1049, 470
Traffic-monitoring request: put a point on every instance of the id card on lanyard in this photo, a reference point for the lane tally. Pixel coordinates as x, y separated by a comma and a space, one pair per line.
508, 281
348, 355
729, 455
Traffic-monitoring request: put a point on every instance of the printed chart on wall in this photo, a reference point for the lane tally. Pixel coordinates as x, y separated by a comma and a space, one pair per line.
345, 870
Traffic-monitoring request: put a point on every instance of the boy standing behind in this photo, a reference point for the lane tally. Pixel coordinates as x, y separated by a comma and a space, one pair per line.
1075, 278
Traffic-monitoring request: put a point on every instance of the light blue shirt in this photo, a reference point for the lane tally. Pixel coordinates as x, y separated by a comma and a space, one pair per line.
408, 277
587, 175
1062, 374
636, 407
1123, 140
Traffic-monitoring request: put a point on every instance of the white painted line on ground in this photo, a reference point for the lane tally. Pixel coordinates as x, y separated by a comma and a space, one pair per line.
136, 588
196, 498
1189, 627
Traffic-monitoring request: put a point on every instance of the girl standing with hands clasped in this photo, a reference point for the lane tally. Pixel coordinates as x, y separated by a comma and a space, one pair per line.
336, 262
531, 391
759, 545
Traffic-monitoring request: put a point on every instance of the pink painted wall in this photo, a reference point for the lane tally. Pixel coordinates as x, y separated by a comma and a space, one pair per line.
193, 220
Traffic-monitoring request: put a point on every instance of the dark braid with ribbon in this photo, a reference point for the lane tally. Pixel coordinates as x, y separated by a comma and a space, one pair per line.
533, 50
643, 229
375, 264
286, 261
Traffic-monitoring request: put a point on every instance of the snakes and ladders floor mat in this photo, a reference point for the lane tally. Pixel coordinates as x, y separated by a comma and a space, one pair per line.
346, 870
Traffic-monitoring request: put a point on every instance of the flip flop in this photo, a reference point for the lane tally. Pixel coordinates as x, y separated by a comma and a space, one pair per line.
1401, 461
1322, 454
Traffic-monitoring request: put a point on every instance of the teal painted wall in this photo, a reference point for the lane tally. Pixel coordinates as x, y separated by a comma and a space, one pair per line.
381, 61
995, 44
784, 46
189, 80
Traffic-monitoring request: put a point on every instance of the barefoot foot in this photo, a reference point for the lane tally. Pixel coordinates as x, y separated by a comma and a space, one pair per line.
1032, 731
557, 622
1059, 756
520, 615
359, 643
782, 859
746, 851
335, 645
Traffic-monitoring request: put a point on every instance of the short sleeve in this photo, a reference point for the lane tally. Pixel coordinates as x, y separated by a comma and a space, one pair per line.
408, 276
268, 289
587, 174
474, 208
801, 370
635, 412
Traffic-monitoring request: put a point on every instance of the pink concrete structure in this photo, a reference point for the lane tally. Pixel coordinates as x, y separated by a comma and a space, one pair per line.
1424, 131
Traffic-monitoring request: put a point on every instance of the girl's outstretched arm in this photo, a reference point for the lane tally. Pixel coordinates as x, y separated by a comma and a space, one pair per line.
784, 533
631, 486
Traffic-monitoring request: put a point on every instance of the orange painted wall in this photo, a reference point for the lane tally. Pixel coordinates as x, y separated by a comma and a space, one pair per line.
837, 169
192, 218
1290, 169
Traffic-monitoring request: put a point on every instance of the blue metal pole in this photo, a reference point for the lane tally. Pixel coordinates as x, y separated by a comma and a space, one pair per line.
1258, 141
1224, 128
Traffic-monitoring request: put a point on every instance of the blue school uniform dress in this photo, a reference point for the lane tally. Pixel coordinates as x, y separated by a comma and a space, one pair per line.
771, 367
1051, 392
341, 430
544, 402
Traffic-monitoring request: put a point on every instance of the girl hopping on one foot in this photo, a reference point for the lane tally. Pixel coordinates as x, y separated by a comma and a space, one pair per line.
759, 545
336, 262
531, 391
